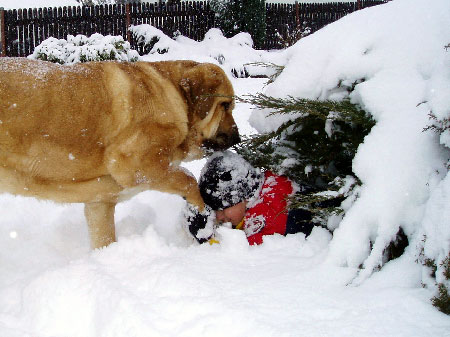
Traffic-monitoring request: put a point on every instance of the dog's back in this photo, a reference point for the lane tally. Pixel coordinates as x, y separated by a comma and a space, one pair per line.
43, 127
56, 121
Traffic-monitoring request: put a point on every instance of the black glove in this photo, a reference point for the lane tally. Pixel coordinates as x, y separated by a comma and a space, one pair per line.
200, 225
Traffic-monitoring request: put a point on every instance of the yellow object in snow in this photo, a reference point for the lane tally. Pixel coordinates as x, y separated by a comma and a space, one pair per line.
240, 224
213, 241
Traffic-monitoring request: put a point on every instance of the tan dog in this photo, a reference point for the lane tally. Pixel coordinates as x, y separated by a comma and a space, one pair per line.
100, 132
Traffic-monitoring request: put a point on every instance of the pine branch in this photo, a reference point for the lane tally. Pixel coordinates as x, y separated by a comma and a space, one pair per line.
345, 111
439, 125
277, 69
315, 148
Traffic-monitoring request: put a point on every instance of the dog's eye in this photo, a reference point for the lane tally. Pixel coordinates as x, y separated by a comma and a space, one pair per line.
226, 105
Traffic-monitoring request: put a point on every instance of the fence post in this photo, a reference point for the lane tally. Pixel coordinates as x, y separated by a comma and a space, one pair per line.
2, 33
128, 21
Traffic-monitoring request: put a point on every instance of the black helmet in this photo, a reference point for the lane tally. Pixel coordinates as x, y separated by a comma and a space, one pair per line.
227, 179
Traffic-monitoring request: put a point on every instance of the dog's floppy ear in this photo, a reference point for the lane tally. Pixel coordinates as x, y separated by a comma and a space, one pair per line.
210, 97
200, 83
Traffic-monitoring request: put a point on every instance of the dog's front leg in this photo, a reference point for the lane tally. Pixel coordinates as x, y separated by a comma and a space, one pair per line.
144, 159
100, 219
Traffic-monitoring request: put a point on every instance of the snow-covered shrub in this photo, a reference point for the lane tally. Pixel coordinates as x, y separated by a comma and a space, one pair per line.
291, 36
442, 300
314, 148
437, 275
401, 74
432, 254
81, 48
434, 248
153, 39
236, 54
442, 127
234, 16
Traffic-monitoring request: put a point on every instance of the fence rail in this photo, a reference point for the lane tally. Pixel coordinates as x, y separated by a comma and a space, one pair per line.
283, 19
23, 29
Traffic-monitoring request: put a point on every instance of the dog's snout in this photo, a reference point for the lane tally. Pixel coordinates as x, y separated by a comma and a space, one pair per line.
223, 140
227, 140
234, 138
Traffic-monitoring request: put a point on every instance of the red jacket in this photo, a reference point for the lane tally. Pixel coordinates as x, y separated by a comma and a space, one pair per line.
268, 214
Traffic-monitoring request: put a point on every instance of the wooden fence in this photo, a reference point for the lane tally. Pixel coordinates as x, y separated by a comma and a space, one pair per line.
22, 30
284, 19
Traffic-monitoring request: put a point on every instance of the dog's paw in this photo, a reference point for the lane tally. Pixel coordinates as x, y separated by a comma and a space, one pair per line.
200, 224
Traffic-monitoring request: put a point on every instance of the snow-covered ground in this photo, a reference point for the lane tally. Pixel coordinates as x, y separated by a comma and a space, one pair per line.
156, 282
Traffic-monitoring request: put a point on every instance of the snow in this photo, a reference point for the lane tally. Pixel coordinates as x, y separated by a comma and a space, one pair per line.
233, 54
401, 71
155, 281
81, 48
16, 4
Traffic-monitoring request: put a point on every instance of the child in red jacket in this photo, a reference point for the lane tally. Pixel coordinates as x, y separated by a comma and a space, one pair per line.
248, 199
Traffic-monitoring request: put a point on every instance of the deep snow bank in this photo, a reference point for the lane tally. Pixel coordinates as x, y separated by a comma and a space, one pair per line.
396, 54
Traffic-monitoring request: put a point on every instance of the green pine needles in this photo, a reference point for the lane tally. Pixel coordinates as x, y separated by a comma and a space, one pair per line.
442, 299
315, 148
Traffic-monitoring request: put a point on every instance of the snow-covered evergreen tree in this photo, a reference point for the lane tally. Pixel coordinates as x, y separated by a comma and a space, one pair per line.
315, 148
235, 16
404, 173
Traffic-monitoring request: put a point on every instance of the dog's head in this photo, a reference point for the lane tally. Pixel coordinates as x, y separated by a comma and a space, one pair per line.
210, 97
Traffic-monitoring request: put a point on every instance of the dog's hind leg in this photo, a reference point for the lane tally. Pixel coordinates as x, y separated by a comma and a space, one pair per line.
100, 218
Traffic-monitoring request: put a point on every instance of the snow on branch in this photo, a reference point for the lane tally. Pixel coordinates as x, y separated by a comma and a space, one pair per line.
81, 48
235, 54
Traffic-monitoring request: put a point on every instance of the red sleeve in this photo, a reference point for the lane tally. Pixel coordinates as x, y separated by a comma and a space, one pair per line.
269, 215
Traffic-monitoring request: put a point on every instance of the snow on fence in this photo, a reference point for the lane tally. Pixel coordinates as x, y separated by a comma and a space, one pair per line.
23, 29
